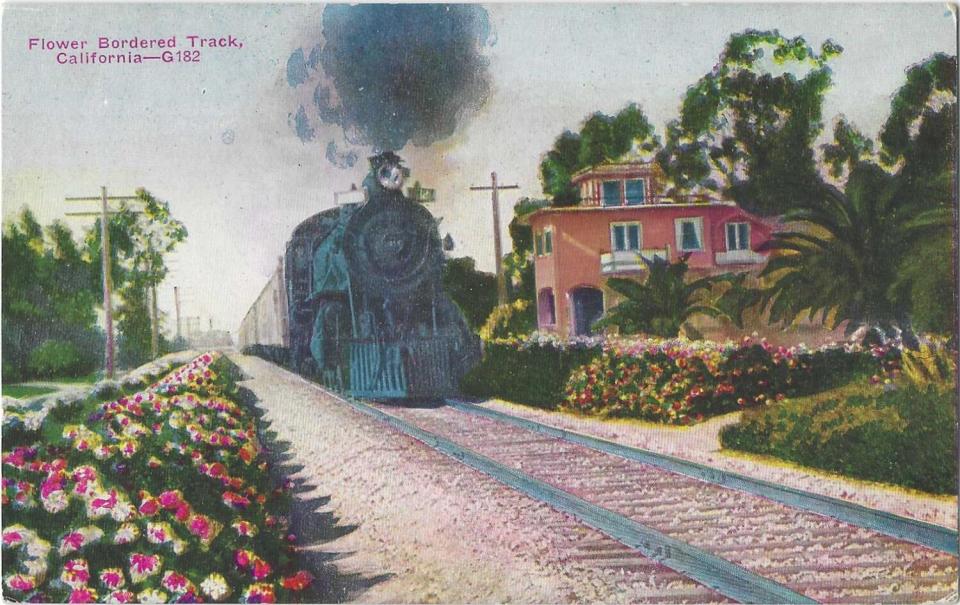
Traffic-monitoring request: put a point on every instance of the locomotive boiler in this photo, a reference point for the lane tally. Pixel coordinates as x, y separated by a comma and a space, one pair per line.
366, 311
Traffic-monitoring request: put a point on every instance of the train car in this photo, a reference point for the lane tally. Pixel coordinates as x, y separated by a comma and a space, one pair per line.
366, 313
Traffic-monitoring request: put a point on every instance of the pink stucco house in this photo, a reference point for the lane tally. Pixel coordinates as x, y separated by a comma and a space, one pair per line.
621, 217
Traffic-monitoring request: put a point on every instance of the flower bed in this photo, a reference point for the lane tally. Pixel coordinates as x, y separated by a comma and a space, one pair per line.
682, 382
159, 496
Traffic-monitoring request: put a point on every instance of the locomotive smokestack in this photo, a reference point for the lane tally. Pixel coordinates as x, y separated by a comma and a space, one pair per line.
390, 74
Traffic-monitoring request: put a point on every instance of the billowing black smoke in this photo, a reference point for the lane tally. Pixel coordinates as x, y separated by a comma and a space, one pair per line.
392, 74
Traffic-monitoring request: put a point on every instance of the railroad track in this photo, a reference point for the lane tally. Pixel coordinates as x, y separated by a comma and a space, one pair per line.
748, 540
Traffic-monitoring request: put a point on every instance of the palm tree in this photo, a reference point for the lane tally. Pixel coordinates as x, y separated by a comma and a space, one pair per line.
845, 258
663, 303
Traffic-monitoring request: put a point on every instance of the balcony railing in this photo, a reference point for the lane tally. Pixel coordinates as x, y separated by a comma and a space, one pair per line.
739, 257
626, 261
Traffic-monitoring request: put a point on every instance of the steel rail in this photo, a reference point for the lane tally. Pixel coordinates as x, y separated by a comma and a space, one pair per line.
729, 579
903, 528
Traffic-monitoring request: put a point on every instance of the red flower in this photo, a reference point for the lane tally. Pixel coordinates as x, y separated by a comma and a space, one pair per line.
241, 558
298, 581
261, 569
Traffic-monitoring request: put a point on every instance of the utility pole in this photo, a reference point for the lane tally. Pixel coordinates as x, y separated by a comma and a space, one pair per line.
176, 300
497, 248
104, 215
155, 332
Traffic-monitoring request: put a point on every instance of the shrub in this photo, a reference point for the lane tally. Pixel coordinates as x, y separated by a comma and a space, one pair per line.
56, 358
531, 371
680, 381
903, 436
515, 319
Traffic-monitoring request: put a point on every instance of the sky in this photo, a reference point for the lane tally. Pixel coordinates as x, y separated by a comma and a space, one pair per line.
215, 138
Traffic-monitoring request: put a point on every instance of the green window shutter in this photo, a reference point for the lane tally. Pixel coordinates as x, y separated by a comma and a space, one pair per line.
538, 244
690, 240
633, 237
731, 236
611, 193
548, 242
743, 229
619, 238
635, 192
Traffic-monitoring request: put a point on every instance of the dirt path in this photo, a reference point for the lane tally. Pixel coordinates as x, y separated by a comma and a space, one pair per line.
388, 519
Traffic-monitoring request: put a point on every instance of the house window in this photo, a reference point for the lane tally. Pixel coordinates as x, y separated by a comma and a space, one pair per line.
625, 236
538, 244
635, 192
546, 308
548, 241
689, 234
738, 236
611, 193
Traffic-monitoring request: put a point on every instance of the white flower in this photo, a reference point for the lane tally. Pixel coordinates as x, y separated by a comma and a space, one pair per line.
179, 547
38, 548
126, 533
215, 587
33, 420
123, 511
36, 567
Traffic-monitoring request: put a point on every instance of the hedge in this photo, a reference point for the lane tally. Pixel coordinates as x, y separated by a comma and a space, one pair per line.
903, 436
530, 371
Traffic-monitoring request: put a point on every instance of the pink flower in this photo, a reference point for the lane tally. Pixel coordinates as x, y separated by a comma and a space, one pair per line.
183, 512
76, 573
21, 582
120, 596
12, 537
70, 542
143, 566
174, 582
83, 595
200, 526
261, 569
170, 499
149, 507
242, 558
107, 503
112, 578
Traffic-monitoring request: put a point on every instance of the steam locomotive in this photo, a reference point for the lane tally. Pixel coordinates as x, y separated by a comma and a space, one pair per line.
366, 313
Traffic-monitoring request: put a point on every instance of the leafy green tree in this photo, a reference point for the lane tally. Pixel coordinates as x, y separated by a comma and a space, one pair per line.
557, 169
601, 138
48, 298
475, 292
663, 303
139, 242
880, 253
747, 128
849, 148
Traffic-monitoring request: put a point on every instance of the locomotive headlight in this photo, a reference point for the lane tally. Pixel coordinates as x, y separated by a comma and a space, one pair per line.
391, 176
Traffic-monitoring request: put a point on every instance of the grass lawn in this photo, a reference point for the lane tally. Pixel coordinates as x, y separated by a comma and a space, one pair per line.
20, 391
90, 378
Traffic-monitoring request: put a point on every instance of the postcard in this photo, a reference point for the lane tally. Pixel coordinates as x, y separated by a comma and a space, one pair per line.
509, 302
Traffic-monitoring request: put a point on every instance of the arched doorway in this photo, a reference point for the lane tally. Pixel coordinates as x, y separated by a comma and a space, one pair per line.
587, 305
